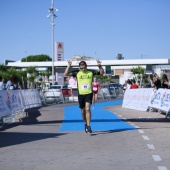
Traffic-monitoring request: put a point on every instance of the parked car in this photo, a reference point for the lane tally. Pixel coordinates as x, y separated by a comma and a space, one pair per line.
54, 94
58, 87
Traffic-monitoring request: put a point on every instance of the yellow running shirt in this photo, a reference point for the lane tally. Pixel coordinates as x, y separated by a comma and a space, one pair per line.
84, 81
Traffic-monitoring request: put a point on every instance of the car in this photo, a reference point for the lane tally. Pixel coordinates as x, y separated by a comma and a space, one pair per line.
54, 94
58, 87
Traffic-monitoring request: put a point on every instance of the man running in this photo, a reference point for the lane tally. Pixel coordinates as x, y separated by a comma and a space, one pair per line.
85, 93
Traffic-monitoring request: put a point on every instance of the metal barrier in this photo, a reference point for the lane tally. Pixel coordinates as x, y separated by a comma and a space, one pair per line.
74, 95
66, 95
100, 95
42, 97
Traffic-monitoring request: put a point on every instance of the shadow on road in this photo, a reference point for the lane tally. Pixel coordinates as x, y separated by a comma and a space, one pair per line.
15, 138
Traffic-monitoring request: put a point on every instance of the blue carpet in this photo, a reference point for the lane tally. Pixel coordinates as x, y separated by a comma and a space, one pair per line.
102, 120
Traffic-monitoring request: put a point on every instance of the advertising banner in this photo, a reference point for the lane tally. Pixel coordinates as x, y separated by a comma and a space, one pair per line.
13, 101
160, 100
10, 102
137, 99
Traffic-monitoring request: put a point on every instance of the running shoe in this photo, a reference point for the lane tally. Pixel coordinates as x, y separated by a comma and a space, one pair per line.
89, 129
85, 127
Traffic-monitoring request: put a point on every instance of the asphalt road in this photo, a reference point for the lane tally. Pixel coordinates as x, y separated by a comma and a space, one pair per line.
36, 143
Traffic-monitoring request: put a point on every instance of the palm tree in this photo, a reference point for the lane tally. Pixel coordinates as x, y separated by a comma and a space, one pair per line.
3, 67
48, 73
31, 78
42, 74
138, 73
22, 77
31, 75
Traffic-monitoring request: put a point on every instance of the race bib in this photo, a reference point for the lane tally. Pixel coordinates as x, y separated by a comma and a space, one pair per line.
94, 88
85, 86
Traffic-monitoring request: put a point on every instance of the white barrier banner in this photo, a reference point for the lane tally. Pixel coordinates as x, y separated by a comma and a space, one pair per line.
10, 102
4, 109
31, 98
137, 99
160, 100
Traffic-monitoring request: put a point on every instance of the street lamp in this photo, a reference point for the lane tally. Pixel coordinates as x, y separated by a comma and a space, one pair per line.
53, 16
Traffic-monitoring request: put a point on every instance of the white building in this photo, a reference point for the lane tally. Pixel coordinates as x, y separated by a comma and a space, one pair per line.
118, 67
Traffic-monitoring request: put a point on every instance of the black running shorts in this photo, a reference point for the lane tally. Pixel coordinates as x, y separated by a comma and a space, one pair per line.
85, 98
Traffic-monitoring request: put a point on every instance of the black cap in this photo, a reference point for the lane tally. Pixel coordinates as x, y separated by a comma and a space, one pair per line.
82, 62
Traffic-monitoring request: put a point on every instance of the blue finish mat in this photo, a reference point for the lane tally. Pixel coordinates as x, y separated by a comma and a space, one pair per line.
102, 120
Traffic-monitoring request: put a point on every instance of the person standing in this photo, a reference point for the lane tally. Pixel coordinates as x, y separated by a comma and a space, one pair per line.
165, 81
12, 84
96, 87
1, 84
134, 85
155, 82
84, 85
128, 84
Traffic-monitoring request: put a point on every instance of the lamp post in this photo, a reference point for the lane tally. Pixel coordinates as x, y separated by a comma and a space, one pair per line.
53, 16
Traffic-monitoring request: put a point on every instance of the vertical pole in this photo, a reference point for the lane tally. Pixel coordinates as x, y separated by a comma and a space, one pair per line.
52, 24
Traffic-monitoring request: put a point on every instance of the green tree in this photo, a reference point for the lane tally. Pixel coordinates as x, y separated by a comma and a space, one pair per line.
31, 76
22, 76
3, 67
36, 58
138, 73
42, 74
103, 79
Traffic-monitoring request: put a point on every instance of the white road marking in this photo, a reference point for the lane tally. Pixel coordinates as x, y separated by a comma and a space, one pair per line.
120, 115
140, 131
124, 118
133, 124
162, 168
145, 138
151, 146
136, 127
156, 158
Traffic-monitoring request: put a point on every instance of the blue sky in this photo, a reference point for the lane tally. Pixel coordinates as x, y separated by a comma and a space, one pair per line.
97, 28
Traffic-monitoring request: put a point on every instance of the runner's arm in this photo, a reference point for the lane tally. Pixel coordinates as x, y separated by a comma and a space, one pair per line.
101, 70
66, 73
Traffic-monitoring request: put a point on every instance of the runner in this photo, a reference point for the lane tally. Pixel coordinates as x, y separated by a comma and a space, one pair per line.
84, 84
96, 87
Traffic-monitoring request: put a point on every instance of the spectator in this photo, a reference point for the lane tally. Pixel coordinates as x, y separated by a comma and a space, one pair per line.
155, 82
12, 84
124, 86
165, 81
1, 84
134, 85
129, 83
20, 86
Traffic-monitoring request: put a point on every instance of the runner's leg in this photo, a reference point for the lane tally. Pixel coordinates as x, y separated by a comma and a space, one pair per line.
88, 113
88, 117
83, 112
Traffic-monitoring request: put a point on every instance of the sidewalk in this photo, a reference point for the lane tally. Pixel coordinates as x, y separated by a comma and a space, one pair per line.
38, 143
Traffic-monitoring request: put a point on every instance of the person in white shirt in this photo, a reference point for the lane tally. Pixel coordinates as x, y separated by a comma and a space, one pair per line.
1, 84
